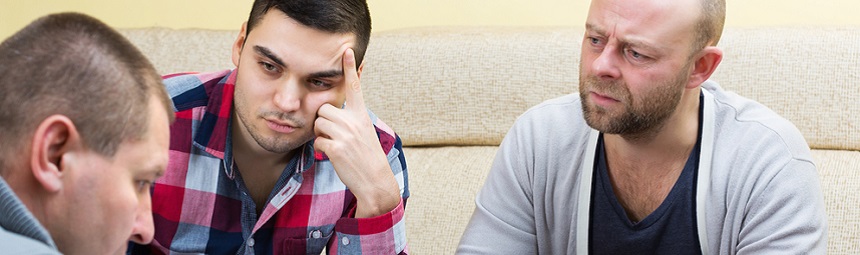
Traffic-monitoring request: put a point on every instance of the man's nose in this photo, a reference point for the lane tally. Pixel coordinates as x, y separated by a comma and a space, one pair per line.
288, 97
605, 66
143, 229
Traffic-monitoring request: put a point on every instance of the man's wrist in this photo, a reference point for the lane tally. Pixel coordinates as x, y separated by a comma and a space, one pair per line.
379, 203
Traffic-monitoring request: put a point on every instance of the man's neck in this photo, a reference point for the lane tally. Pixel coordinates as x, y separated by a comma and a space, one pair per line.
246, 151
644, 168
33, 199
260, 168
676, 136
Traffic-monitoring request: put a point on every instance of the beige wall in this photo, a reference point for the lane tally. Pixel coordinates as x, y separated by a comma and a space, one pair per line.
393, 14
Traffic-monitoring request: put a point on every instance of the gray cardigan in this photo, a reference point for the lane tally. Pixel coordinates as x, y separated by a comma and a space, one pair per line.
20, 232
757, 188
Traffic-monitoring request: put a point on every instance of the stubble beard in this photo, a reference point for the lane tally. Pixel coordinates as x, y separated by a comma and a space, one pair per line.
638, 117
272, 144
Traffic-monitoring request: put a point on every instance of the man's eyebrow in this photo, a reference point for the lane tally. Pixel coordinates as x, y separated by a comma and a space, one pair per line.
326, 74
592, 27
639, 43
268, 54
155, 171
630, 41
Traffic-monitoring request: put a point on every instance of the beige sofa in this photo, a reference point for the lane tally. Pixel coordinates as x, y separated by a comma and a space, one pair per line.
453, 92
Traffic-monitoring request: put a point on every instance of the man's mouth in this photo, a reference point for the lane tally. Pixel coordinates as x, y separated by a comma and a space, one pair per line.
602, 99
280, 126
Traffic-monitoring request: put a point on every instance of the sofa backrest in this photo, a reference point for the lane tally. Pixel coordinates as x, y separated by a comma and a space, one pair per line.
186, 50
466, 85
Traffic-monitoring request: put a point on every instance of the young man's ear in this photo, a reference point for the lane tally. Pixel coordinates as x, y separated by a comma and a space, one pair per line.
704, 65
240, 42
360, 68
54, 139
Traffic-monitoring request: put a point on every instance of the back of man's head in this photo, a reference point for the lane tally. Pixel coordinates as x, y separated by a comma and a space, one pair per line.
333, 16
73, 65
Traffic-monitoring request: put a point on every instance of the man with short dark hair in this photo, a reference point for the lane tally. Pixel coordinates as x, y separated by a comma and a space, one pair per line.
650, 157
280, 155
85, 121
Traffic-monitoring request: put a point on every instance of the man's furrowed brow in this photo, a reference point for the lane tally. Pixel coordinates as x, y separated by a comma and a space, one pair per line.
268, 54
327, 74
633, 41
595, 28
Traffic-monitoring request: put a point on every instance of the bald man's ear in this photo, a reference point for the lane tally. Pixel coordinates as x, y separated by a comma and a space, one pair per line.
704, 65
54, 139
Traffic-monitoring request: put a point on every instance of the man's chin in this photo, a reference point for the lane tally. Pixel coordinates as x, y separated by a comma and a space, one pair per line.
282, 143
599, 126
602, 121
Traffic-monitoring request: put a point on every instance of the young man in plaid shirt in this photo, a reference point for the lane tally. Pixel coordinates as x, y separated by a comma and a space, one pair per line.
280, 155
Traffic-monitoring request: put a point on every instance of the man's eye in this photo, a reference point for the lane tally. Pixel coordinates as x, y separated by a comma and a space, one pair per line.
319, 84
594, 40
143, 185
269, 67
636, 55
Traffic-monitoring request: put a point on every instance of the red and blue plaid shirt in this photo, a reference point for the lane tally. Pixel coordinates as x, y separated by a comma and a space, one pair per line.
201, 205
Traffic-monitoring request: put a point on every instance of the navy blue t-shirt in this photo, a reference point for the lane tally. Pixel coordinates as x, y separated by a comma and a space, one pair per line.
670, 229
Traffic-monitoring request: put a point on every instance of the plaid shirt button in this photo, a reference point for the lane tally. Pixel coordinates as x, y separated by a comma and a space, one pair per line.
251, 242
345, 241
316, 234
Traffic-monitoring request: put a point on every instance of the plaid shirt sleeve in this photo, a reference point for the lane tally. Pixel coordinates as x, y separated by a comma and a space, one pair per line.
383, 234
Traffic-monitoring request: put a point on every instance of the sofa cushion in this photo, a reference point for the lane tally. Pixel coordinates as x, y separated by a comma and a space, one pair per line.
840, 183
443, 182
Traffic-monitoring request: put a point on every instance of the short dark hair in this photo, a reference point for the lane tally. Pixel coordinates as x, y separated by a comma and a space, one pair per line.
709, 27
74, 65
333, 16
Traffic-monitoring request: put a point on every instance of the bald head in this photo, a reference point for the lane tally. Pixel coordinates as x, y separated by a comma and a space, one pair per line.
712, 18
698, 22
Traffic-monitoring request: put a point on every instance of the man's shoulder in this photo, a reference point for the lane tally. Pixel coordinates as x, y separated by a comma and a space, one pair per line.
14, 243
560, 114
550, 132
192, 86
198, 99
387, 137
750, 125
566, 106
191, 79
